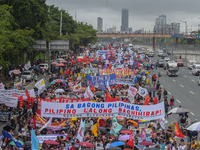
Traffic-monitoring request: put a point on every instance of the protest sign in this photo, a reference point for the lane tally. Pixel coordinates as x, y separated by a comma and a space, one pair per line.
18, 84
163, 123
106, 109
89, 70
117, 71
8, 101
132, 91
124, 81
101, 80
10, 93
2, 86
27, 66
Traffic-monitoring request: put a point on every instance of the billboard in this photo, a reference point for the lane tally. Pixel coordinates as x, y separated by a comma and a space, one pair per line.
177, 35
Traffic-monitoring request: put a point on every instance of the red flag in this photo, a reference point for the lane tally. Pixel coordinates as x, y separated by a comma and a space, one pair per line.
112, 54
28, 97
124, 101
110, 99
155, 100
110, 47
32, 101
143, 135
92, 86
99, 58
111, 87
21, 103
138, 64
71, 71
134, 71
70, 59
178, 133
146, 101
78, 60
130, 141
118, 86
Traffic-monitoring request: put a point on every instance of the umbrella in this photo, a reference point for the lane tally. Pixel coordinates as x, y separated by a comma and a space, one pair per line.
178, 110
113, 148
59, 91
146, 143
7, 128
16, 71
131, 121
54, 63
102, 129
117, 143
13, 143
150, 89
147, 139
27, 143
151, 148
144, 72
99, 93
123, 137
60, 65
143, 121
60, 59
51, 142
194, 127
86, 144
126, 131
58, 81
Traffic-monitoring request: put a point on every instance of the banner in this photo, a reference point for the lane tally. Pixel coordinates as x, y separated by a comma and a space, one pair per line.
42, 138
2, 86
89, 70
124, 81
8, 101
117, 71
10, 93
132, 91
163, 123
59, 100
101, 80
99, 52
88, 93
106, 109
77, 87
27, 66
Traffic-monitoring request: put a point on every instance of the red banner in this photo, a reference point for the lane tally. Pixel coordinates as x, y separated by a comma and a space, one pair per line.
59, 100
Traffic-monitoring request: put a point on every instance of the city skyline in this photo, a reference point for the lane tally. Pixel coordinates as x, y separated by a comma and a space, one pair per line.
142, 14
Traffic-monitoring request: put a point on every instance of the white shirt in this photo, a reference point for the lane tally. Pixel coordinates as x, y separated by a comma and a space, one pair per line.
23, 132
175, 149
182, 147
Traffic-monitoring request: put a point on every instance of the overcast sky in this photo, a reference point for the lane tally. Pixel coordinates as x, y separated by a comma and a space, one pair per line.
142, 13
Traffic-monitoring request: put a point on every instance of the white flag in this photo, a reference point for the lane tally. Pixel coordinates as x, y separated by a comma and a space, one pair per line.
132, 90
142, 91
31, 93
108, 86
80, 135
77, 87
2, 86
88, 93
48, 123
27, 66
40, 84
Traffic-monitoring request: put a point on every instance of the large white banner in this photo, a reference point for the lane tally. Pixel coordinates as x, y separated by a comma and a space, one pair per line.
8, 101
106, 109
10, 93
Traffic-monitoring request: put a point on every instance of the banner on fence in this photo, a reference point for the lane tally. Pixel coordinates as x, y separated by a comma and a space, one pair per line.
101, 80
8, 101
106, 109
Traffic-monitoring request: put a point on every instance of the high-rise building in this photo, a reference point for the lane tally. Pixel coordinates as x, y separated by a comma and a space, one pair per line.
124, 26
162, 27
99, 24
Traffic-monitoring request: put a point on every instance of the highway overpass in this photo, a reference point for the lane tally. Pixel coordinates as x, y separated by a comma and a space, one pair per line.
131, 35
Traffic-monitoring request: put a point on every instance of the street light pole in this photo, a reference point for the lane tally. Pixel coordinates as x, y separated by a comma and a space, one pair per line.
186, 35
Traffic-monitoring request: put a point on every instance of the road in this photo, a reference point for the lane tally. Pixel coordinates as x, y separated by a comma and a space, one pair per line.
184, 88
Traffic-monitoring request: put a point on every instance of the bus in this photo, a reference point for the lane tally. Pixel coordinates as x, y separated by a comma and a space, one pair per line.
172, 68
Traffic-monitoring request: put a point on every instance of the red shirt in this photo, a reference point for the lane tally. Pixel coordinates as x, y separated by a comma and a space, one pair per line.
101, 123
72, 148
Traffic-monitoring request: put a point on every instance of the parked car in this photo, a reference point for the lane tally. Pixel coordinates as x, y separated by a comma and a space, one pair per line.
196, 69
164, 55
179, 62
190, 63
28, 75
167, 59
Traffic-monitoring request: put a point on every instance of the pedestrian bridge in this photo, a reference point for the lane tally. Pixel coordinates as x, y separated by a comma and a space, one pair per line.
132, 35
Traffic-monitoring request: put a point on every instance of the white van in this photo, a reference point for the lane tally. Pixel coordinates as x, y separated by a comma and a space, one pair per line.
44, 66
190, 63
195, 69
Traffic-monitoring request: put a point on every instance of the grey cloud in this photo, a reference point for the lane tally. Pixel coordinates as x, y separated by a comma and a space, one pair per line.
142, 13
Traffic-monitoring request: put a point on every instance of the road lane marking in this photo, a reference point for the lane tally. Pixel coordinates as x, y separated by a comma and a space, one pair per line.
181, 85
192, 113
183, 69
185, 76
178, 101
174, 80
161, 85
169, 93
193, 80
191, 92
169, 85
190, 72
161, 72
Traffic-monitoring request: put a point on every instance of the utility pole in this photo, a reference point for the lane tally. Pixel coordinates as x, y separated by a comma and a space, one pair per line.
49, 53
75, 15
186, 35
